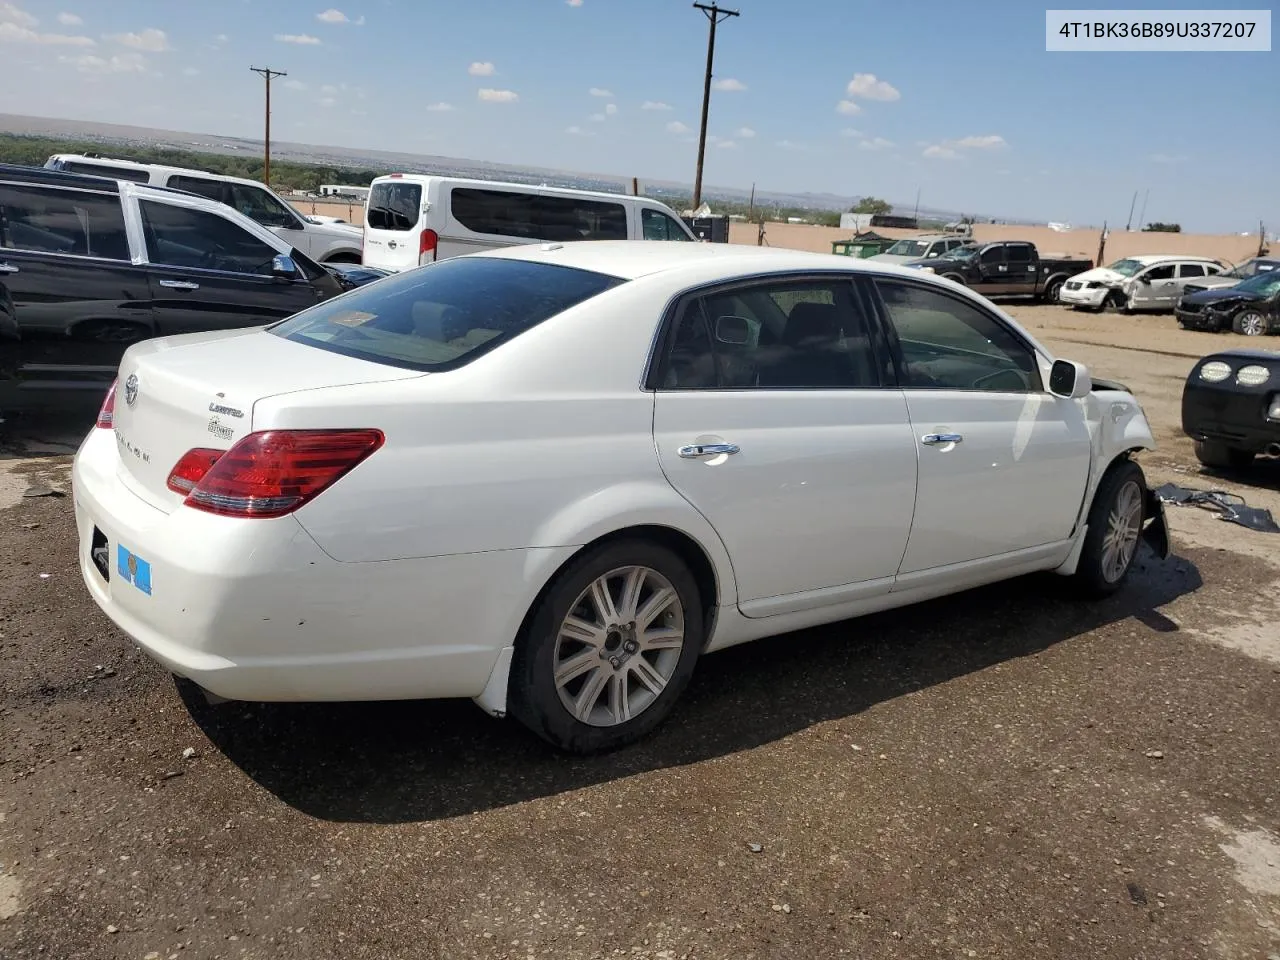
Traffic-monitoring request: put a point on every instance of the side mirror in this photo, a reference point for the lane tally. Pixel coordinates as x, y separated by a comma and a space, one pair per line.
283, 268
1070, 380
1145, 280
735, 331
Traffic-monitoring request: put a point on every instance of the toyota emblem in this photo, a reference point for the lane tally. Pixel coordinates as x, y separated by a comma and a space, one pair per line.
131, 389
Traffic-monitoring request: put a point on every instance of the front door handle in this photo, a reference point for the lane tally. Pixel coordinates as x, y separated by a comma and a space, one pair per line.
933, 439
8, 268
179, 284
696, 451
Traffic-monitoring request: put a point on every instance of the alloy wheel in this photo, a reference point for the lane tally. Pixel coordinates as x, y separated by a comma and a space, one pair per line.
1124, 525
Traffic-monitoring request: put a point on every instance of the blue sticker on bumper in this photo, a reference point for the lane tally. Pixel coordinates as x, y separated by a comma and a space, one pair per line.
133, 569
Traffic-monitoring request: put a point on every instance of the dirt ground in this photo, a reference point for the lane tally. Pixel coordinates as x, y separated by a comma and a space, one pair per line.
1008, 773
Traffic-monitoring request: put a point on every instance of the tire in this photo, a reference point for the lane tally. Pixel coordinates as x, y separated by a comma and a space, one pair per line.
1116, 301
1250, 323
1053, 290
580, 714
956, 277
1104, 563
1219, 456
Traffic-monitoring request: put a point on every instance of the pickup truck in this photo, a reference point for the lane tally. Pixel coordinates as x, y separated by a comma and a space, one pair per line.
1006, 268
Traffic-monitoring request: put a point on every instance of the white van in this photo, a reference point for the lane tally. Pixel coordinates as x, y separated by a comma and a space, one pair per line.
322, 242
412, 219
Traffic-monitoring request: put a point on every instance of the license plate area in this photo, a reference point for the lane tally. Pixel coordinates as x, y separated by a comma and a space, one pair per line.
100, 554
131, 568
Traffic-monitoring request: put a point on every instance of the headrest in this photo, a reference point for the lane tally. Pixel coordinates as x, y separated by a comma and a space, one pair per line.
812, 321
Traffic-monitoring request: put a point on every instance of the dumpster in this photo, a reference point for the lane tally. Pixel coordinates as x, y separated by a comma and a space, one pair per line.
862, 245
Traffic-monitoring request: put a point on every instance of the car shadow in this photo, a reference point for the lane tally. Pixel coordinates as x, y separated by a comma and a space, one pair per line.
428, 760
1264, 472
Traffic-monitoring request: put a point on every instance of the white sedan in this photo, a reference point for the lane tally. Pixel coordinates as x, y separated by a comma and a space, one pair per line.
551, 477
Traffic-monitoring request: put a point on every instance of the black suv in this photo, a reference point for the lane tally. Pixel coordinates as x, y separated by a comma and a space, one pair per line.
90, 265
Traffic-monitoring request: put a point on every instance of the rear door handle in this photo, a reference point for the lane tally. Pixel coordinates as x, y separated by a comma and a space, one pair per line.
8, 268
179, 284
696, 451
934, 439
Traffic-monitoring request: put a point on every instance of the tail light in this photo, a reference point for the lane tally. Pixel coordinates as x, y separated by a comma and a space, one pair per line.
427, 244
107, 415
270, 473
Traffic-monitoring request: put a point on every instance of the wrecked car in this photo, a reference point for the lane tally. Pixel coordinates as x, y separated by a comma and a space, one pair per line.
1231, 407
1149, 282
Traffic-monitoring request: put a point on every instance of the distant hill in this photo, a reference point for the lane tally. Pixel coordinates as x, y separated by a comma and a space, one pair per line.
119, 135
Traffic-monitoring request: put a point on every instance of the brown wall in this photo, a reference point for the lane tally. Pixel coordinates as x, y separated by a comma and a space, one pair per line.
799, 236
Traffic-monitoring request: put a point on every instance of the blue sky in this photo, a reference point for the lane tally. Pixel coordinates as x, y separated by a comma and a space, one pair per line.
959, 100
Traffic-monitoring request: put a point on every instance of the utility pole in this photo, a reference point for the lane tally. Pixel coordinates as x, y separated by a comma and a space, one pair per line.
916, 215
268, 75
1142, 216
1132, 203
715, 15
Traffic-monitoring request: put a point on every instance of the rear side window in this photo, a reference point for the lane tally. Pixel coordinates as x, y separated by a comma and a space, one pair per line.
1191, 270
197, 239
103, 170
530, 216
74, 222
656, 225
213, 189
444, 315
394, 206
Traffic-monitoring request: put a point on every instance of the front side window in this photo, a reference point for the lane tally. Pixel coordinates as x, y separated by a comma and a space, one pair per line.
993, 255
446, 314
76, 222
1160, 273
394, 205
197, 239
788, 335
262, 207
949, 344
656, 225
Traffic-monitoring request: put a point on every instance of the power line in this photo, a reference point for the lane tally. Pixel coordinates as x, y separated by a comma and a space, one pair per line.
715, 15
268, 75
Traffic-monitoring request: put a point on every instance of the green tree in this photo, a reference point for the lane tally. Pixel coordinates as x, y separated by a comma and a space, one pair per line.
1162, 228
872, 205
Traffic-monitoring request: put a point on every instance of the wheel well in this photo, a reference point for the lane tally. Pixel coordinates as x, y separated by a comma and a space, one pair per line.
682, 545
343, 258
1055, 278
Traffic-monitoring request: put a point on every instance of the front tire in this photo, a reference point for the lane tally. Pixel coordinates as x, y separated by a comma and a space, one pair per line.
1219, 456
1250, 323
1116, 301
609, 648
1053, 292
1115, 528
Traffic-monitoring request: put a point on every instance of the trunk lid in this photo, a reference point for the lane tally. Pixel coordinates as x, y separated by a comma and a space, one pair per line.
392, 228
198, 390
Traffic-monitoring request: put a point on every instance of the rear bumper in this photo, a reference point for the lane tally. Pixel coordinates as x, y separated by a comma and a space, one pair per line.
1230, 414
255, 610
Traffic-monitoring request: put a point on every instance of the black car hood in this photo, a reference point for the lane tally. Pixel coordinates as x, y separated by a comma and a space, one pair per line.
1204, 297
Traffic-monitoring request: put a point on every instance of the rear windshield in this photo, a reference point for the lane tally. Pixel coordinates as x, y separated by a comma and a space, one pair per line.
443, 315
394, 206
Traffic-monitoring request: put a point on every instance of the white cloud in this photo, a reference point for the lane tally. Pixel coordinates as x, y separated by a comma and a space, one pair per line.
848, 107
600, 92
610, 109
329, 88
573, 3
17, 16
938, 152
729, 85
332, 16
675, 126
744, 133
790, 145
221, 38
70, 20
579, 132
596, 118
360, 21
301, 39
441, 107
150, 40
497, 96
727, 145
875, 143
850, 132
481, 69
295, 85
867, 87
121, 63
989, 142
327, 101
655, 105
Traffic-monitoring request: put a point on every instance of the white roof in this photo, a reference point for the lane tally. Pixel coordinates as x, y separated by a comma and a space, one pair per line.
629, 259
1149, 258
511, 185
107, 162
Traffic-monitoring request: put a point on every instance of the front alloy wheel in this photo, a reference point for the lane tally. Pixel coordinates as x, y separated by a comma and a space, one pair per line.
619, 646
1114, 529
1124, 525
1251, 323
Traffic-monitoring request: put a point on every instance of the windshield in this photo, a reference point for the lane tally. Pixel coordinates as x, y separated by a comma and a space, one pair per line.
444, 315
909, 248
1265, 284
1127, 268
962, 253
1251, 268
